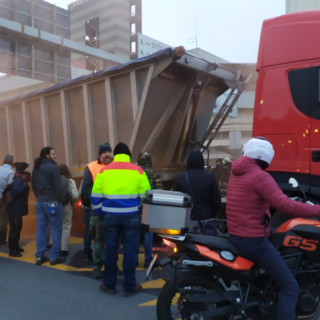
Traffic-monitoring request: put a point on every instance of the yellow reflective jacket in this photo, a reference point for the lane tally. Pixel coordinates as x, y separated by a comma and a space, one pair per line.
118, 187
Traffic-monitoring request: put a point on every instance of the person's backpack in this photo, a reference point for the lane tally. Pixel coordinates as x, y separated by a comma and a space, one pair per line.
66, 198
6, 194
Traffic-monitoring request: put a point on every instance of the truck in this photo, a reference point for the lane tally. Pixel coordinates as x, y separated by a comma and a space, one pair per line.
162, 103
287, 102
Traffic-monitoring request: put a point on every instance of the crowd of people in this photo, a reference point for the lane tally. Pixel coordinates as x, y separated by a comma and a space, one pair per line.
110, 193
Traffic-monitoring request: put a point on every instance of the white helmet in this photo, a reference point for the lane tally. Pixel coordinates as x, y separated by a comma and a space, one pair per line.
259, 148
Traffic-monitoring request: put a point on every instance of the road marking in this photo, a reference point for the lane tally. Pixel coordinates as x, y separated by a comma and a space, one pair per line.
31, 248
155, 284
152, 303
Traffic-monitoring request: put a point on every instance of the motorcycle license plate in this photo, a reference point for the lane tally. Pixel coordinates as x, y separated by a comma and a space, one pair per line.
151, 265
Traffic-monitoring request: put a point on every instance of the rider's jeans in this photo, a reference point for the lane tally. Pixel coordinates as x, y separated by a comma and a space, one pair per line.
261, 251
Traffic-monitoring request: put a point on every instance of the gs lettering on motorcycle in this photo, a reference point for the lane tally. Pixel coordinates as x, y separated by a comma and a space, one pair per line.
299, 242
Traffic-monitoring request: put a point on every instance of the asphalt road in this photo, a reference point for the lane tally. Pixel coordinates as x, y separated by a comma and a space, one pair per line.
67, 291
35, 292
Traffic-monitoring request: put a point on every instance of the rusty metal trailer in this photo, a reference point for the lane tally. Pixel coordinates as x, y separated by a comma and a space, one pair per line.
162, 103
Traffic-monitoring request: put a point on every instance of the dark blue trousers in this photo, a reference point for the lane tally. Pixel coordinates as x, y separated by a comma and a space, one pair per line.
87, 238
261, 251
128, 228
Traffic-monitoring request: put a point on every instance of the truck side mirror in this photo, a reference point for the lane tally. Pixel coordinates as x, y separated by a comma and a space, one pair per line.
294, 183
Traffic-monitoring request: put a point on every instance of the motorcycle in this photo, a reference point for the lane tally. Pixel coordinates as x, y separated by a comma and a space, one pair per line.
212, 280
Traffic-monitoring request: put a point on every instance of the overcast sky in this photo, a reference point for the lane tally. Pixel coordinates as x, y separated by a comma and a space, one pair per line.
229, 29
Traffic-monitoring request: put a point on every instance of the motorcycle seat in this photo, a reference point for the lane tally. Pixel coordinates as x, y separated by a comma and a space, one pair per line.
214, 243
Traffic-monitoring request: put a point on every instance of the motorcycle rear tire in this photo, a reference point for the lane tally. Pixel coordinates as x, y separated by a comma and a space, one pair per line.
169, 290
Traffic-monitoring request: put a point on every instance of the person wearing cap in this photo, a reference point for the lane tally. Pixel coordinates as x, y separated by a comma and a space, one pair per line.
116, 196
18, 207
95, 222
6, 177
145, 163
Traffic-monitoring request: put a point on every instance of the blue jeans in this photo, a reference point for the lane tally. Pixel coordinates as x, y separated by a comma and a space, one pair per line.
128, 227
48, 235
55, 221
87, 238
261, 251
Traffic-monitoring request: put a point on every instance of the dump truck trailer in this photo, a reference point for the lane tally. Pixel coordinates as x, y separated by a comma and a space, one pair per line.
162, 103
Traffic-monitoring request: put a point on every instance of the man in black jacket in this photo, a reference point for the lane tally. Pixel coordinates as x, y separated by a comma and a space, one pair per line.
46, 185
202, 187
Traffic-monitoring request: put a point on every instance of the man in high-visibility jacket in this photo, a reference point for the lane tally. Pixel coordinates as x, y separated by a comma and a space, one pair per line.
94, 222
116, 195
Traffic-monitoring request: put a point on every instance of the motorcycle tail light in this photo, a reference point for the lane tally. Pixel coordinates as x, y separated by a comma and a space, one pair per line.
170, 244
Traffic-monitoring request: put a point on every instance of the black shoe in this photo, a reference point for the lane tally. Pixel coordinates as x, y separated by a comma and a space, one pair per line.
49, 246
57, 261
96, 272
146, 264
64, 253
15, 254
135, 290
40, 261
119, 272
88, 258
104, 289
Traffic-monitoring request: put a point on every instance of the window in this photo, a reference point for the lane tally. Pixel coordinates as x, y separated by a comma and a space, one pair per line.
92, 36
133, 47
133, 10
319, 85
305, 90
133, 28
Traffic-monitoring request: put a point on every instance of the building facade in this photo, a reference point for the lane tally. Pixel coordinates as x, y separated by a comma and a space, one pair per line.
109, 25
237, 128
302, 5
30, 59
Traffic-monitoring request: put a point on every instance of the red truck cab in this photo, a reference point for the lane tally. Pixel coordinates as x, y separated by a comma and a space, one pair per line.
287, 102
